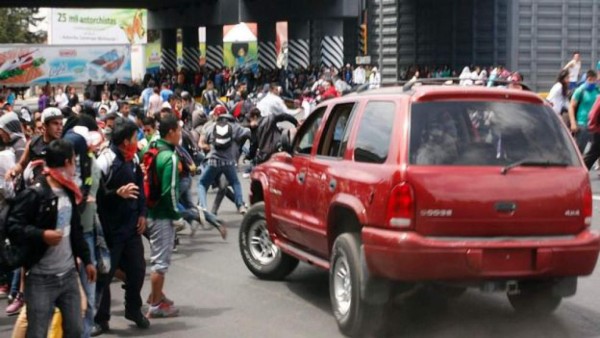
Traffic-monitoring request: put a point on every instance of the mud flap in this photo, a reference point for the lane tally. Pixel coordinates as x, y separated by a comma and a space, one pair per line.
373, 290
565, 287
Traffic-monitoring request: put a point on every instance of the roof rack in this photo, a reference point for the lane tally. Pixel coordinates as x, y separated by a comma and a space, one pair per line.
449, 81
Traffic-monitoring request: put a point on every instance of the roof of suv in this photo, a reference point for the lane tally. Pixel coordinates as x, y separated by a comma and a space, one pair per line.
444, 93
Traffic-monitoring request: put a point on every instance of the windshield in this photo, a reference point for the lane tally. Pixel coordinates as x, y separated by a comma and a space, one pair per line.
487, 134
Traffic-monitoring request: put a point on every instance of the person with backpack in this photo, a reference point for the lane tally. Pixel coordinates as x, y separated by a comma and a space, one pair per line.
267, 133
222, 142
581, 103
52, 239
122, 212
161, 184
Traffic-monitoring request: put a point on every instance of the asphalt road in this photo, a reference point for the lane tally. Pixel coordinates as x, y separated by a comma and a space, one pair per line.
218, 297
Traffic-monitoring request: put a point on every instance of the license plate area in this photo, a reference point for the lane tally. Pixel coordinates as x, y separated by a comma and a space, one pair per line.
505, 260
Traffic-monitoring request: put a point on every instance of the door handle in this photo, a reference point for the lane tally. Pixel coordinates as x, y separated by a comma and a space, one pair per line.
301, 177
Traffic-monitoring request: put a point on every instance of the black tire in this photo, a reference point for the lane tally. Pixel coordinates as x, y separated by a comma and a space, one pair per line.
535, 299
359, 318
275, 267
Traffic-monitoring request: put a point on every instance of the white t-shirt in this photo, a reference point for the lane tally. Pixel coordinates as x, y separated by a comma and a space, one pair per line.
556, 97
574, 71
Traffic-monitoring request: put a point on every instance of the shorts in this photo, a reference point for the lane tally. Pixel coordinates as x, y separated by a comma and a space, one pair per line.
162, 236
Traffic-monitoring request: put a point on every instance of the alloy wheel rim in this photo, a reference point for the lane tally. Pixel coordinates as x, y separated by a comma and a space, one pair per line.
342, 285
261, 247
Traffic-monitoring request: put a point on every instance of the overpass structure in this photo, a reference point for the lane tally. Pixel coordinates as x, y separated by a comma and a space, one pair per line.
535, 37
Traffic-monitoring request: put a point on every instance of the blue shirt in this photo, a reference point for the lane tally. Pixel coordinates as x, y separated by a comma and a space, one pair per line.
165, 94
11, 99
146, 97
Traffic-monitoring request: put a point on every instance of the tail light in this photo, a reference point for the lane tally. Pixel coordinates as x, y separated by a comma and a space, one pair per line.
588, 206
401, 206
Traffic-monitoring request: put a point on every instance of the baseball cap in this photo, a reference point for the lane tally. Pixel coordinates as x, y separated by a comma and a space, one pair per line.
25, 114
50, 114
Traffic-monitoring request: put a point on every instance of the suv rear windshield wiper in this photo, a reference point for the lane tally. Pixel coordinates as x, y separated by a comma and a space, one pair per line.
532, 163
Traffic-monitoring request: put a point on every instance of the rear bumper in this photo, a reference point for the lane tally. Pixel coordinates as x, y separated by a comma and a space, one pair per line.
407, 256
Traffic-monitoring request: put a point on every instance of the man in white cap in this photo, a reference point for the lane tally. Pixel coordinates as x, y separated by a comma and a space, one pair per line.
374, 79
52, 118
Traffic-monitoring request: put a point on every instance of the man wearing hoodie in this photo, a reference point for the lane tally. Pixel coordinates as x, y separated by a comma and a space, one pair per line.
222, 142
36, 148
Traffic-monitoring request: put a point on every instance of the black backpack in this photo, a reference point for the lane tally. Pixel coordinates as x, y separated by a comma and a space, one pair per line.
223, 135
11, 256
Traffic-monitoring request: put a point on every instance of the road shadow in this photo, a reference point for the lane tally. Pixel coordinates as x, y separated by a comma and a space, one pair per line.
475, 314
158, 327
311, 284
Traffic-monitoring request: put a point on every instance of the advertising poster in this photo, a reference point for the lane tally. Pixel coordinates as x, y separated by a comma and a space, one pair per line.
240, 49
98, 26
27, 65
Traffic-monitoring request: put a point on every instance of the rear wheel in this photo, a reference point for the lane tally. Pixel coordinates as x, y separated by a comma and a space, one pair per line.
535, 298
262, 257
355, 316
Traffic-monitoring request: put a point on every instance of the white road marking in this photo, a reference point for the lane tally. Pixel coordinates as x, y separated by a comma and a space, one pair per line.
596, 197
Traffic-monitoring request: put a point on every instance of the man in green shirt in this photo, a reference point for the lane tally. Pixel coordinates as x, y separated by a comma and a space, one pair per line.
581, 104
161, 216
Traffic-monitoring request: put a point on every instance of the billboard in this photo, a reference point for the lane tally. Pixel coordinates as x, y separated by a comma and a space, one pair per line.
98, 26
38, 64
240, 49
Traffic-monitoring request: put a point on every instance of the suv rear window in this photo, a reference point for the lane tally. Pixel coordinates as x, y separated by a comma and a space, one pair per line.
487, 134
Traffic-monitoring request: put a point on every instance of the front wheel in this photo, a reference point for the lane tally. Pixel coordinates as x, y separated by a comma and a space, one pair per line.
262, 257
535, 298
355, 317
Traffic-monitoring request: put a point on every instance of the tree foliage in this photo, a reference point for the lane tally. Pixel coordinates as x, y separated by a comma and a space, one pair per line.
15, 24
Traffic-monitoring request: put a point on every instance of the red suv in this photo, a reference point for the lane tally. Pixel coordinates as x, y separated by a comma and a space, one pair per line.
448, 186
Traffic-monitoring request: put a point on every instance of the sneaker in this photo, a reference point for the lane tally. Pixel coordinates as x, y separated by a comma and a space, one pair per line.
246, 175
139, 319
162, 310
194, 228
4, 291
164, 300
222, 230
243, 210
179, 224
99, 328
15, 307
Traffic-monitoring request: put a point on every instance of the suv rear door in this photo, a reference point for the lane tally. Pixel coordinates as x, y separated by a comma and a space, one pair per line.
325, 173
468, 181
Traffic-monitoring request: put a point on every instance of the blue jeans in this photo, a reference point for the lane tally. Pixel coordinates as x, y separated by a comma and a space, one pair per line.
89, 287
208, 177
16, 282
583, 137
43, 293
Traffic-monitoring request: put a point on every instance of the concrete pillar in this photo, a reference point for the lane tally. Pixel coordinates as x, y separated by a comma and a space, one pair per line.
332, 45
214, 47
298, 44
168, 46
351, 40
191, 49
267, 53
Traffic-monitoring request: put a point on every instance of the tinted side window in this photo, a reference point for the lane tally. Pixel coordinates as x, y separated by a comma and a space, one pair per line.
335, 129
375, 132
308, 131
